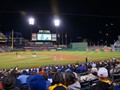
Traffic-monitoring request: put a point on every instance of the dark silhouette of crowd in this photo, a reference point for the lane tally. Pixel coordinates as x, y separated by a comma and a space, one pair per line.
102, 75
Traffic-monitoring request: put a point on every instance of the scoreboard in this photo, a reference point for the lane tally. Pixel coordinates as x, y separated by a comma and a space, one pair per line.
43, 37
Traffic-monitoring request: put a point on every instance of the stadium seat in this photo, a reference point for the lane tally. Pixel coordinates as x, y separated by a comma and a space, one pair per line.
93, 82
25, 87
85, 85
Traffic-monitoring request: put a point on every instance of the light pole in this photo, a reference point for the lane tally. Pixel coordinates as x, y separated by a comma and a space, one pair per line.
66, 39
31, 22
109, 33
62, 37
57, 24
107, 39
12, 39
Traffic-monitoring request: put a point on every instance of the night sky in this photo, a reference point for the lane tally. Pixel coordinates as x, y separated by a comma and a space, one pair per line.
94, 20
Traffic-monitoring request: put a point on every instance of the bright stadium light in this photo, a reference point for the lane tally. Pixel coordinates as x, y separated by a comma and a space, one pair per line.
57, 22
31, 21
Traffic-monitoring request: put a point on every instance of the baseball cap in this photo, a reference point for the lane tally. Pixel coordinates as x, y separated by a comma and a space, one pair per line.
103, 72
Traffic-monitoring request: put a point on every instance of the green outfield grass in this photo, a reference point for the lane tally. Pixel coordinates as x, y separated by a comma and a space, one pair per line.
9, 59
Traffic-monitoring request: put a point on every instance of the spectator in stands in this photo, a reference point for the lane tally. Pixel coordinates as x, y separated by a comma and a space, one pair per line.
8, 83
32, 72
48, 83
89, 66
80, 69
104, 83
58, 82
71, 81
1, 75
93, 64
40, 71
37, 82
115, 70
90, 76
29, 71
54, 69
1, 86
71, 67
23, 77
17, 81
84, 67
62, 71
50, 76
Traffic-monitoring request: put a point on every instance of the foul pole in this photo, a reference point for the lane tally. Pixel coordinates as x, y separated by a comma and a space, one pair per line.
12, 39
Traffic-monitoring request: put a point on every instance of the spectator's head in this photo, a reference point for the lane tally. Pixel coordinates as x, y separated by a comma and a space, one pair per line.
70, 78
103, 72
45, 75
40, 69
24, 72
14, 73
37, 82
57, 78
33, 72
94, 71
62, 70
68, 70
8, 82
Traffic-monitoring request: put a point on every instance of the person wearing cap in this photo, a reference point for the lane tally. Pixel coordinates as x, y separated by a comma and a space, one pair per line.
104, 83
37, 82
23, 77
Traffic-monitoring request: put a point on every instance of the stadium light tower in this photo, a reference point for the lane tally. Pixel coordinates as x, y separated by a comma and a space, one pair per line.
31, 22
57, 24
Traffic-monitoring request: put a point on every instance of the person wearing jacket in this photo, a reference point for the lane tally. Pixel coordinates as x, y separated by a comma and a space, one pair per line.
104, 83
58, 82
71, 81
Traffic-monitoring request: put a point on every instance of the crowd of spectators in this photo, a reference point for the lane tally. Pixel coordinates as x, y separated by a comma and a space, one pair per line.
87, 76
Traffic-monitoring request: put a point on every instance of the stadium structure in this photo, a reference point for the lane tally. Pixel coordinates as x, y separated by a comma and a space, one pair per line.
44, 40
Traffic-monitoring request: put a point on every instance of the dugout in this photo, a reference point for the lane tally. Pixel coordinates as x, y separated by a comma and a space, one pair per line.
79, 46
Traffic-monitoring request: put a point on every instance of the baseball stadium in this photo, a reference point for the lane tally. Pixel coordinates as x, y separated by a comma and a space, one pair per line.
59, 45
42, 52
45, 60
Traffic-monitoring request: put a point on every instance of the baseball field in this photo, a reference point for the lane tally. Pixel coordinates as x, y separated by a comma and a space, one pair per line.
41, 58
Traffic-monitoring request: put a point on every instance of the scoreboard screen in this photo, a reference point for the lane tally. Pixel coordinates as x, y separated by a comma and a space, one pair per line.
44, 37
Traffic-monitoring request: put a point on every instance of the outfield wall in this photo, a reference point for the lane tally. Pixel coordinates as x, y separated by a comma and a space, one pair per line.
79, 46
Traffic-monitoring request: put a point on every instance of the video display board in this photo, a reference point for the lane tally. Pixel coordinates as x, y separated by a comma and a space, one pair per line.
44, 37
